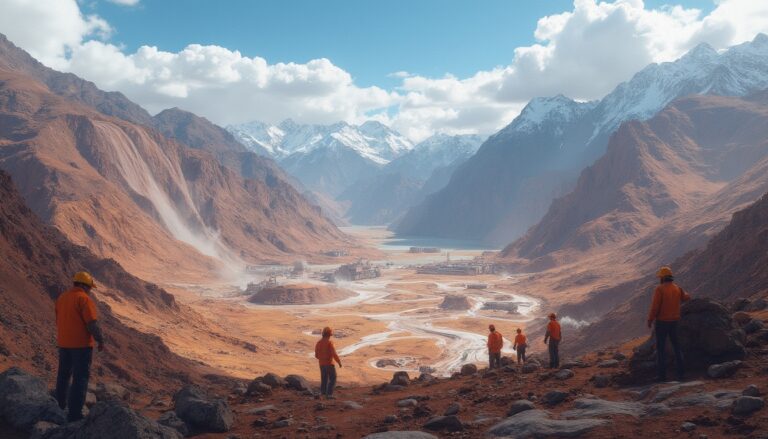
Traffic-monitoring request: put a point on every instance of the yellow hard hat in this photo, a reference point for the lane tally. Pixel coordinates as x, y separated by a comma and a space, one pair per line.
664, 272
84, 278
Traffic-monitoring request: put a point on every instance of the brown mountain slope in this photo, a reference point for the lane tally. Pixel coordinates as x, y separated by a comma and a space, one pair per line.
734, 264
36, 265
131, 194
654, 171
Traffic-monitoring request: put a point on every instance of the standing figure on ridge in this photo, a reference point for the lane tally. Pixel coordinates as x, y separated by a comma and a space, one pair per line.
552, 339
77, 328
495, 343
665, 311
521, 342
325, 353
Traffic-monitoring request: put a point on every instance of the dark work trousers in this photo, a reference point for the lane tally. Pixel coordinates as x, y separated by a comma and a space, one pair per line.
664, 330
521, 354
74, 364
494, 360
327, 379
554, 353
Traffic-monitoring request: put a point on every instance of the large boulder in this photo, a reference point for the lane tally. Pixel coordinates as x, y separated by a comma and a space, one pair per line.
202, 412
468, 369
746, 405
400, 378
172, 420
297, 382
444, 423
724, 370
272, 380
24, 400
707, 333
537, 424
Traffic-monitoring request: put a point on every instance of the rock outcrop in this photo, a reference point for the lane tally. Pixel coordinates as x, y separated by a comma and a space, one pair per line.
202, 412
24, 401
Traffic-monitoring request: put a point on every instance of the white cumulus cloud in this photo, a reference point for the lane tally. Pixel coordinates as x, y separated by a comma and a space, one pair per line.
582, 53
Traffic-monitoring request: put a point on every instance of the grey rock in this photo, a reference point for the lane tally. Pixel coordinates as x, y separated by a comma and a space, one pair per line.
520, 405
444, 423
537, 424
531, 367
409, 402
573, 364
111, 392
258, 388
688, 426
272, 380
554, 397
664, 392
297, 382
751, 390
753, 326
453, 409
724, 370
172, 420
655, 410
400, 378
608, 363
114, 419
262, 410
595, 408
352, 405
618, 356
202, 412
564, 374
389, 419
24, 401
401, 435
282, 423
468, 369
746, 405
601, 381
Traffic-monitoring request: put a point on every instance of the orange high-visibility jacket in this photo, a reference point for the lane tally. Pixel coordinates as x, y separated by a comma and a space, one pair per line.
74, 310
553, 330
666, 302
325, 352
495, 342
521, 340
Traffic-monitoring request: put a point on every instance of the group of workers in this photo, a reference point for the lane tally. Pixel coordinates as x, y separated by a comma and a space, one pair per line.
78, 332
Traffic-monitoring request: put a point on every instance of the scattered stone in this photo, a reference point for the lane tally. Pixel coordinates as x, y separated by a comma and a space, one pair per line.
262, 410
352, 405
564, 374
24, 400
115, 419
724, 370
688, 426
537, 424
520, 405
530, 367
444, 423
746, 405
297, 382
282, 423
390, 419
663, 393
655, 410
618, 356
111, 392
272, 380
171, 420
202, 412
401, 435
573, 364
468, 369
452, 409
554, 397
601, 381
608, 363
426, 377
400, 378
407, 403
595, 407
751, 390
422, 411
753, 326
258, 388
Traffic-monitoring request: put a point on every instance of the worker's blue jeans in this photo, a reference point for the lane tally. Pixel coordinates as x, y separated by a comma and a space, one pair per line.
554, 353
74, 364
664, 330
327, 379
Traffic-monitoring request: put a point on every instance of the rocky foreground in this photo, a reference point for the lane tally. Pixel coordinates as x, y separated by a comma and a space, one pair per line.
604, 394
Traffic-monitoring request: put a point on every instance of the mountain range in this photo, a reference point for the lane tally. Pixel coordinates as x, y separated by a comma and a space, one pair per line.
509, 184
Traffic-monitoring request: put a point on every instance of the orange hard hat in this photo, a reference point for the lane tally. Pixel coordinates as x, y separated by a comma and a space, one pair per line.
327, 331
553, 316
84, 278
491, 327
519, 330
664, 272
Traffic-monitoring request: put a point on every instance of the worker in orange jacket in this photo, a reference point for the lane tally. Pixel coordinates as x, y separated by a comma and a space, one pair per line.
325, 353
521, 342
495, 343
665, 311
77, 328
552, 338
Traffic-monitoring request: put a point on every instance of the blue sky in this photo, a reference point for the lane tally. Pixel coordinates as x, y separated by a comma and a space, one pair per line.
369, 39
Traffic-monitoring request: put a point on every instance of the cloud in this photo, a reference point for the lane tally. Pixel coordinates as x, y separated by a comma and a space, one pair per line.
582, 53
125, 2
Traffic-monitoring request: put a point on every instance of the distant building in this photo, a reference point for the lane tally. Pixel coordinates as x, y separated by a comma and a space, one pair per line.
254, 288
424, 250
361, 269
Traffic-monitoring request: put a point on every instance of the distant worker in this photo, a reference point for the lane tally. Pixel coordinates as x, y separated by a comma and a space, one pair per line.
521, 342
665, 311
495, 343
325, 353
77, 327
553, 336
